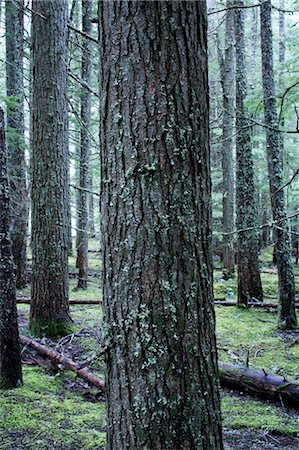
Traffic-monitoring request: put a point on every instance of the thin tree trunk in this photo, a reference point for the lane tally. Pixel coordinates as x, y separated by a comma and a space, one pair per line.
82, 233
249, 279
227, 70
91, 225
10, 356
254, 36
286, 314
161, 360
49, 313
14, 15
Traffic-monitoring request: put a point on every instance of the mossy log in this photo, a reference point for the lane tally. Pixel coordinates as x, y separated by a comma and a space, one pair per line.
67, 363
260, 383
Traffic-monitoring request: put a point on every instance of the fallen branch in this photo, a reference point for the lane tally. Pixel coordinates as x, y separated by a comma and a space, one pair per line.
67, 363
72, 301
274, 272
260, 383
251, 304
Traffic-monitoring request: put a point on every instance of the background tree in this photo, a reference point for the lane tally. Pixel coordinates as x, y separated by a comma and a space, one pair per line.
49, 312
249, 279
10, 355
286, 315
82, 232
14, 15
227, 72
156, 227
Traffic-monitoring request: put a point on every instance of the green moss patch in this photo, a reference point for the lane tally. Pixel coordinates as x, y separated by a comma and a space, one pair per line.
43, 414
243, 412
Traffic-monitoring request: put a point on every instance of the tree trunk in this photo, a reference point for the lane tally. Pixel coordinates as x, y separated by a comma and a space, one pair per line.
249, 280
227, 70
82, 237
161, 387
49, 313
14, 15
286, 313
253, 43
91, 224
10, 356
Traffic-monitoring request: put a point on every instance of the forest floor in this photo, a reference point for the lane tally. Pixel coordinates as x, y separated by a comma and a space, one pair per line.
56, 410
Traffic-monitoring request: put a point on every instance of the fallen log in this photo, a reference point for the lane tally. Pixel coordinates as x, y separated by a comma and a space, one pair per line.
260, 383
67, 363
274, 272
255, 382
251, 304
72, 301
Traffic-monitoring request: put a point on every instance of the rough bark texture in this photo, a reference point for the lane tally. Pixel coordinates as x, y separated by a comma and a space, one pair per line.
82, 238
227, 70
49, 313
286, 314
249, 280
10, 356
162, 390
14, 35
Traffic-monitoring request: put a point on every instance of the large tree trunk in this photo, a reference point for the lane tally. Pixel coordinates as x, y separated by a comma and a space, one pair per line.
227, 70
82, 238
249, 279
14, 15
162, 388
49, 313
286, 313
10, 356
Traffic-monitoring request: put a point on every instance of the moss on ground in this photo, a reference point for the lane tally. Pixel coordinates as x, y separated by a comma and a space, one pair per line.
44, 414
252, 335
242, 412
228, 288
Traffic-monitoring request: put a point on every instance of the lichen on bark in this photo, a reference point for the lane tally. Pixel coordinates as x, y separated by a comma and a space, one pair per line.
156, 227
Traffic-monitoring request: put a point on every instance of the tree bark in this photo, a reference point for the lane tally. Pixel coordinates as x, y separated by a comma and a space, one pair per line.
227, 70
49, 312
161, 361
14, 15
10, 356
82, 238
286, 313
249, 280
